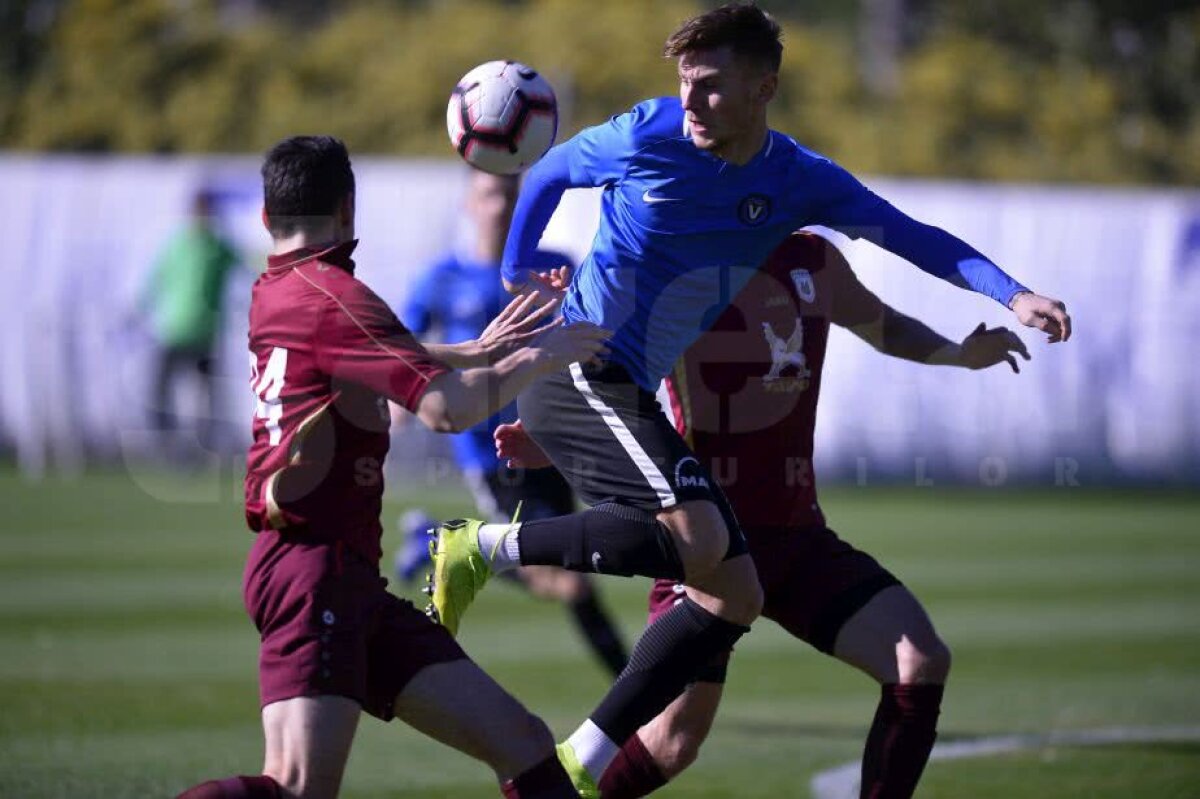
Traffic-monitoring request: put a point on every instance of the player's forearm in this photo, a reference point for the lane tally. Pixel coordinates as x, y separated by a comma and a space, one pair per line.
941, 254
464, 355
904, 337
540, 195
458, 400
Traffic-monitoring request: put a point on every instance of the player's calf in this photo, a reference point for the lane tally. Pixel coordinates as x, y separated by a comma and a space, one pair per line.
607, 539
674, 737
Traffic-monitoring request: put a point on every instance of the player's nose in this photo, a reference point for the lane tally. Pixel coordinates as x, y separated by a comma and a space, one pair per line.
687, 96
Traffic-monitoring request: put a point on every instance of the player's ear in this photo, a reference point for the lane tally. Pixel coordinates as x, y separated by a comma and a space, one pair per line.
346, 210
266, 220
768, 86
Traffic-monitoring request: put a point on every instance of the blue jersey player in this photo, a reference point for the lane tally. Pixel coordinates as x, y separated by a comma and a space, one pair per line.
458, 296
694, 187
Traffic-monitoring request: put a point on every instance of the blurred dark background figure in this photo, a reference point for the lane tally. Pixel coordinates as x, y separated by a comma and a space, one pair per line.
182, 301
456, 297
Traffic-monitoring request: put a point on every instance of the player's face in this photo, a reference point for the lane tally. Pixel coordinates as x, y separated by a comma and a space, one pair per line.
725, 100
491, 200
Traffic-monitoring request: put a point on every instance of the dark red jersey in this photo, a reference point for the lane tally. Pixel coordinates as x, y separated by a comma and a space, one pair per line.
325, 355
745, 394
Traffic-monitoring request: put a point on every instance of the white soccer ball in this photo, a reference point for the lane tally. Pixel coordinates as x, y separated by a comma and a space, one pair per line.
502, 117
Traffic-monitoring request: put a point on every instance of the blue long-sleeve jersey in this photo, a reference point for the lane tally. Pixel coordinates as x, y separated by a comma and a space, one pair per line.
459, 296
674, 219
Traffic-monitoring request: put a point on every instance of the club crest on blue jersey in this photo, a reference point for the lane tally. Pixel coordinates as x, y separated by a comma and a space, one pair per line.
754, 210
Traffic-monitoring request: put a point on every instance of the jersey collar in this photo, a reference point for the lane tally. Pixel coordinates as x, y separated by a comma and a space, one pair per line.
336, 254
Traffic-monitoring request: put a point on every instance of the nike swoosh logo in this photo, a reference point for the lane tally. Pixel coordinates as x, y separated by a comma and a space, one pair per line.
650, 199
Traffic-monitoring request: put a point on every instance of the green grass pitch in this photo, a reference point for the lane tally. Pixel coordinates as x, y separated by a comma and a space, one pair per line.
127, 666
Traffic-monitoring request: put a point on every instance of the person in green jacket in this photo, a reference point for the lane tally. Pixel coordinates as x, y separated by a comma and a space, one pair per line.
183, 300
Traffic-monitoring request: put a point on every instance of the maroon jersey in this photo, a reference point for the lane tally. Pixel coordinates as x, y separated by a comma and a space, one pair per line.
325, 355
745, 394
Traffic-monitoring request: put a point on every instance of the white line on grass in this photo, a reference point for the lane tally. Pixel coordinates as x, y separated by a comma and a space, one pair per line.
841, 782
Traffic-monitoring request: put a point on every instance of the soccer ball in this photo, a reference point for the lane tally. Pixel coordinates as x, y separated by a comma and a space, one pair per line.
502, 117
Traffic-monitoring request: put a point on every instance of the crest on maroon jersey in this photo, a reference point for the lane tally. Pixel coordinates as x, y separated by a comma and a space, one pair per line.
802, 279
787, 354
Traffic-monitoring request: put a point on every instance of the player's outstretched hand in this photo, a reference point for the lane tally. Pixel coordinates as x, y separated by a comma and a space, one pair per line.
1048, 315
553, 283
521, 321
515, 447
986, 347
563, 345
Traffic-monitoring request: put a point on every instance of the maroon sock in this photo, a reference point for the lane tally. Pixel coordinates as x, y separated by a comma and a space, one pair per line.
260, 787
546, 780
632, 773
900, 740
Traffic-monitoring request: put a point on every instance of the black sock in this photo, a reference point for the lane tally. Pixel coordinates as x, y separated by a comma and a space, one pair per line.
608, 539
600, 632
664, 661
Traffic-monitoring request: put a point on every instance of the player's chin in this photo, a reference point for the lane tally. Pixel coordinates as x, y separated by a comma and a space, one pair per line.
704, 141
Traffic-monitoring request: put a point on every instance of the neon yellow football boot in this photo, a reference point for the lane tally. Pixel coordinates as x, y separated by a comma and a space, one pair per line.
585, 786
459, 571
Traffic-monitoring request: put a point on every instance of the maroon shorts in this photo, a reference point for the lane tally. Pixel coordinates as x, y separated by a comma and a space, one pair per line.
812, 581
330, 627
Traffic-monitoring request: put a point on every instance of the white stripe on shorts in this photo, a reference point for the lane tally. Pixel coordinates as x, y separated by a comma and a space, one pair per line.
666, 497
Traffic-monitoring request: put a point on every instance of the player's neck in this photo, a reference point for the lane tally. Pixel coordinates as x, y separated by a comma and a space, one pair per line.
316, 238
489, 251
741, 151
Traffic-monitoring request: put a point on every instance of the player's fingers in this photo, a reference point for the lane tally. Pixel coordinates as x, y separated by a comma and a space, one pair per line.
533, 317
1013, 363
541, 313
517, 306
1041, 322
1052, 328
1064, 321
1016, 345
979, 331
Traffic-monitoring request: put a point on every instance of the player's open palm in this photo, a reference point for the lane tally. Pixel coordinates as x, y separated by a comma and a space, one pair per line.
521, 321
1046, 314
986, 347
564, 345
516, 448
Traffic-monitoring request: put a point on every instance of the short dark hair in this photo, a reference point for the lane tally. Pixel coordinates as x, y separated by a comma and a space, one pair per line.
304, 176
745, 28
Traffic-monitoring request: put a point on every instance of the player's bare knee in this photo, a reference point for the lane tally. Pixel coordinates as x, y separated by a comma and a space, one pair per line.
741, 590
926, 663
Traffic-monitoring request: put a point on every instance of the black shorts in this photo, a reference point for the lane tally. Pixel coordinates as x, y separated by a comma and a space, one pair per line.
541, 493
612, 442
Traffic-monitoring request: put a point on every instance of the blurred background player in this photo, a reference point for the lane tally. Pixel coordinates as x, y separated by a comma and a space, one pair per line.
456, 298
184, 299
327, 355
745, 396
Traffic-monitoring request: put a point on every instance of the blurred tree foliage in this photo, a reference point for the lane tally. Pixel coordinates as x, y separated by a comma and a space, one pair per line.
1083, 90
